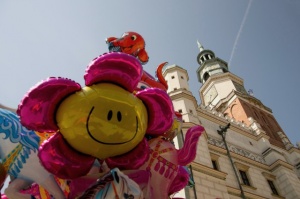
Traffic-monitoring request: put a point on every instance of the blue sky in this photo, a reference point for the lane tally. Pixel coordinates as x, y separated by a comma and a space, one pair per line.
259, 39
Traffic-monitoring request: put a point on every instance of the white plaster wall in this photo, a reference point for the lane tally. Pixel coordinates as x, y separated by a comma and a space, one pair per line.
210, 128
224, 87
288, 183
262, 144
203, 155
208, 187
273, 156
179, 104
226, 167
259, 182
177, 82
294, 157
183, 82
172, 83
242, 141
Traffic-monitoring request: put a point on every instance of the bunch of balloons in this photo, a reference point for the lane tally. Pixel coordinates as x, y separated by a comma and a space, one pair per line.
112, 136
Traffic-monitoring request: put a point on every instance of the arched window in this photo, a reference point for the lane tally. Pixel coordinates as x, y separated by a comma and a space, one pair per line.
205, 76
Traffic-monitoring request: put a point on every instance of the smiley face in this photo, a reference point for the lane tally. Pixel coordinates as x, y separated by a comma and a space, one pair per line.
103, 120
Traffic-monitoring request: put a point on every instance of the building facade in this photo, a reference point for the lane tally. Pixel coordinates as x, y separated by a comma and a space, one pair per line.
243, 153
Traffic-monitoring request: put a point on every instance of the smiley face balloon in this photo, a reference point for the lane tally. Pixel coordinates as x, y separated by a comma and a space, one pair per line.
114, 121
106, 119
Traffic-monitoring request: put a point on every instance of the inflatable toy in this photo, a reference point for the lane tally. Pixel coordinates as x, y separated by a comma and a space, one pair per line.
130, 43
18, 150
133, 44
115, 184
105, 120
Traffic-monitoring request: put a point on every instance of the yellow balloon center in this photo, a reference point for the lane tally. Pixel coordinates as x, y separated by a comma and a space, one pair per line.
103, 120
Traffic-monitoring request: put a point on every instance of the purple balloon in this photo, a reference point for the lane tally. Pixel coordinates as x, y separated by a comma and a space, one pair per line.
134, 159
160, 110
120, 68
60, 159
37, 108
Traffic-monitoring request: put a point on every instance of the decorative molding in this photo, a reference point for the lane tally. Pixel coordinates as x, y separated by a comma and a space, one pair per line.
280, 163
175, 68
218, 77
209, 171
219, 118
277, 196
239, 157
237, 150
241, 166
236, 192
294, 149
269, 176
181, 94
249, 187
270, 150
214, 156
254, 101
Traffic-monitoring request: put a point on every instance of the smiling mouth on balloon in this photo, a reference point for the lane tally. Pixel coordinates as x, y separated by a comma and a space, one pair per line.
108, 143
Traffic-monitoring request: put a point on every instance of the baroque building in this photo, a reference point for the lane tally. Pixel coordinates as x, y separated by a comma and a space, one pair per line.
243, 153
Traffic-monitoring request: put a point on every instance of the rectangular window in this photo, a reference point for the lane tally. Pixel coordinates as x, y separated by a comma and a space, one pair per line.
273, 188
215, 164
244, 177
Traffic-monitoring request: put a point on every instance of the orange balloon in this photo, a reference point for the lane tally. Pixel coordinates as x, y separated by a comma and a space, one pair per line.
130, 43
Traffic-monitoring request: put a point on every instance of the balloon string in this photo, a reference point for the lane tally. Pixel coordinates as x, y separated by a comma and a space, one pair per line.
115, 190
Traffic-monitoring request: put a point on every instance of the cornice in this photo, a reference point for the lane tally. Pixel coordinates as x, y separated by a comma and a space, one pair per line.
259, 162
269, 176
223, 103
294, 149
181, 93
252, 100
263, 135
208, 171
234, 191
217, 77
221, 120
213, 60
280, 163
237, 192
270, 150
217, 117
174, 67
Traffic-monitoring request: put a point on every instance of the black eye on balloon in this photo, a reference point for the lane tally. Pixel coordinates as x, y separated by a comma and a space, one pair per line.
133, 37
109, 115
119, 116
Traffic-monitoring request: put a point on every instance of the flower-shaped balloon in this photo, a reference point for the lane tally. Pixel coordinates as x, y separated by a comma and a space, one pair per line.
106, 119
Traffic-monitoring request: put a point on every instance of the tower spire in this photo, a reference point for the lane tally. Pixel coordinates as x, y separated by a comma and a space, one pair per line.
201, 48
